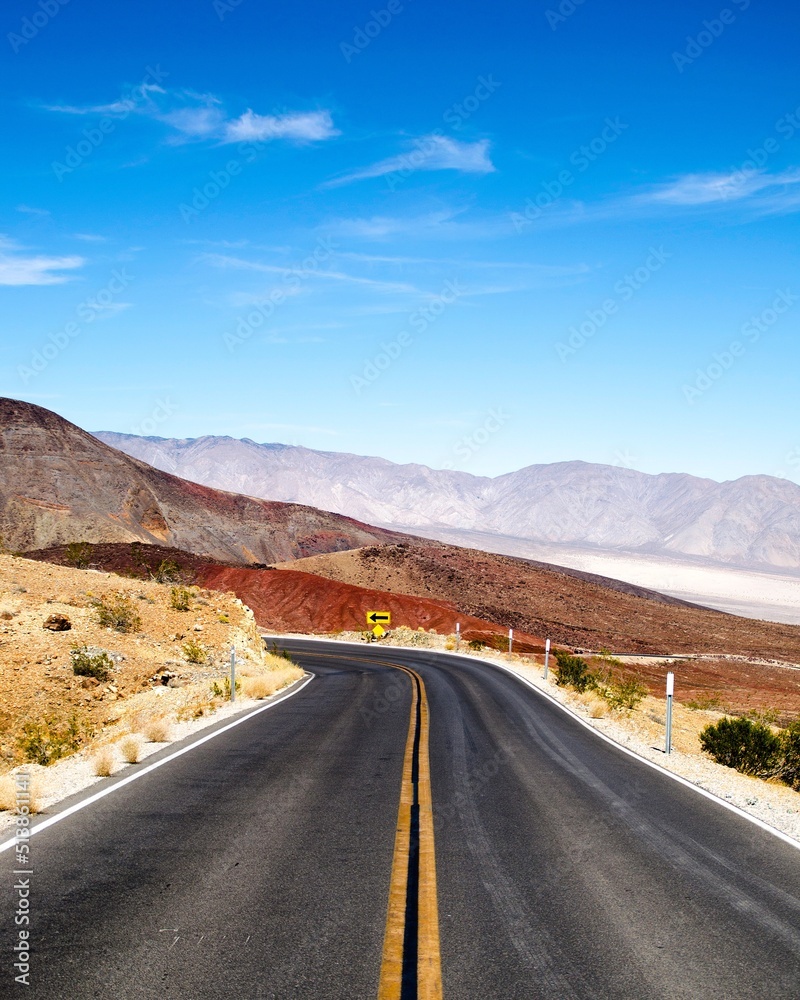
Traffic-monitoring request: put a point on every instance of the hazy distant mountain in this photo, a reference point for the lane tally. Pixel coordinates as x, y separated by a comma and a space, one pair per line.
753, 521
60, 484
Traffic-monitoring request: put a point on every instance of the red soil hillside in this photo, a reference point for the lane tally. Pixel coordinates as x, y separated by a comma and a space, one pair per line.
288, 601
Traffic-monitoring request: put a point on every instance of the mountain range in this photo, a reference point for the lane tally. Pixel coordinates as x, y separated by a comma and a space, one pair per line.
59, 484
752, 522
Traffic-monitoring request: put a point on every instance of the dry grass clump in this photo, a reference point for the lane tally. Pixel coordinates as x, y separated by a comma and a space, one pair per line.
264, 680
156, 729
11, 794
595, 706
131, 749
103, 763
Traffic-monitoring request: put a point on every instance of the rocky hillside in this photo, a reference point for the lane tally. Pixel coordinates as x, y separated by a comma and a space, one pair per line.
60, 484
573, 609
47, 611
753, 521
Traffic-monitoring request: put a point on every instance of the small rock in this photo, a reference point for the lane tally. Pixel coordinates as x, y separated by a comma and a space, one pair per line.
58, 623
89, 682
198, 628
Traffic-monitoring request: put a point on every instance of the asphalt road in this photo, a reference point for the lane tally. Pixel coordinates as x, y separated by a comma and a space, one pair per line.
259, 865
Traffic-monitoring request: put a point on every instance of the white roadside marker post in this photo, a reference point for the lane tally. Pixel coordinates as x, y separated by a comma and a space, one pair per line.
233, 673
510, 639
458, 634
670, 693
546, 656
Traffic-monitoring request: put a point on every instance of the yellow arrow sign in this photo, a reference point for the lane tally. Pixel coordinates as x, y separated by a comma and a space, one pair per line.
378, 631
379, 617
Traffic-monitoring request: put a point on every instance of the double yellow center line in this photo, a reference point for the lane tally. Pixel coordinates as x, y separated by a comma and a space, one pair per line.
411, 965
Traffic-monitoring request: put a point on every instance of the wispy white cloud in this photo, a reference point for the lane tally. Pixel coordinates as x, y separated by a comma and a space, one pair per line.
323, 274
711, 188
20, 268
310, 126
195, 116
90, 237
30, 210
430, 152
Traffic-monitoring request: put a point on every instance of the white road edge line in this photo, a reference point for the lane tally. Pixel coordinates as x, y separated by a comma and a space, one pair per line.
8, 844
601, 735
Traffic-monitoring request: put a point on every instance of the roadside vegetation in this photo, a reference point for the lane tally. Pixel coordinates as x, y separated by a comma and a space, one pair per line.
606, 680
754, 748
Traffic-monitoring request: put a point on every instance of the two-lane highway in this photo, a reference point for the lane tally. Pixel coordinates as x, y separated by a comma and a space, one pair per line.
438, 830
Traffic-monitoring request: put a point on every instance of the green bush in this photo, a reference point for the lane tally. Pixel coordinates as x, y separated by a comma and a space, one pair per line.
750, 747
572, 671
168, 571
476, 644
78, 554
51, 738
790, 752
195, 652
86, 664
116, 611
180, 598
623, 694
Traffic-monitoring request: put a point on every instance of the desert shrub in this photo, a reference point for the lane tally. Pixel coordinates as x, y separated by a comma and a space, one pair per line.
790, 753
168, 571
116, 611
78, 554
750, 747
46, 740
131, 749
476, 644
284, 654
224, 690
14, 791
156, 730
194, 651
704, 702
103, 763
572, 671
180, 598
86, 664
622, 694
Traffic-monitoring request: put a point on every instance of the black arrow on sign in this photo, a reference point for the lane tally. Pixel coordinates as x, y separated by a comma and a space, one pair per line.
375, 617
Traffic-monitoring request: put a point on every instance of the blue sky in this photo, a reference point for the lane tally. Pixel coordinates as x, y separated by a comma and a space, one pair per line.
480, 237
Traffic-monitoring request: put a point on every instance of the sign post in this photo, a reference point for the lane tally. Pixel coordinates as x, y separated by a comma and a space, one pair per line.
510, 639
233, 673
670, 693
546, 656
458, 634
